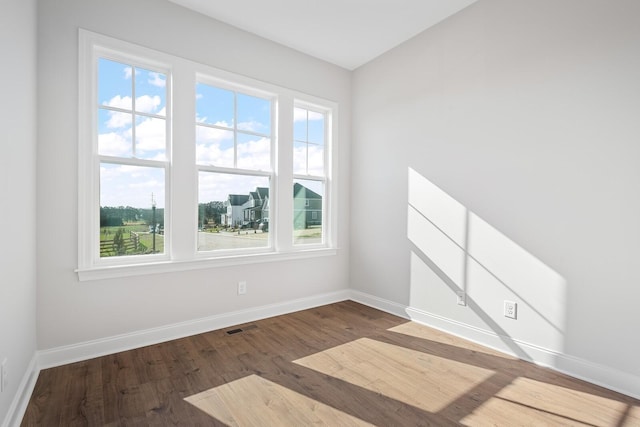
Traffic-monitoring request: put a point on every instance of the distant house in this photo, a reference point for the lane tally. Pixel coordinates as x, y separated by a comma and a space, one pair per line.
235, 204
252, 209
255, 207
307, 207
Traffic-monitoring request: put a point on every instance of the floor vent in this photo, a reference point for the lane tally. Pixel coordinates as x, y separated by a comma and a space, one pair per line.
237, 331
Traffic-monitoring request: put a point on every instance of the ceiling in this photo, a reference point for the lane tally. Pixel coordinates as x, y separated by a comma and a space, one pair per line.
348, 33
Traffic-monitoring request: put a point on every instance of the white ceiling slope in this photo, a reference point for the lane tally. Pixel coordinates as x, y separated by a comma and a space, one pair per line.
348, 33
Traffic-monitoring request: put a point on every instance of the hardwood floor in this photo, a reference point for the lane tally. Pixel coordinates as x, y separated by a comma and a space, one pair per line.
339, 365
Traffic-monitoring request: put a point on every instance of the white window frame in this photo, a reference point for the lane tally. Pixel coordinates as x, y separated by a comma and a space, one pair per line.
327, 179
211, 80
181, 171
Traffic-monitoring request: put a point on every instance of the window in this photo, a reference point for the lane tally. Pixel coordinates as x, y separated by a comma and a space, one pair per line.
132, 147
309, 174
185, 166
233, 156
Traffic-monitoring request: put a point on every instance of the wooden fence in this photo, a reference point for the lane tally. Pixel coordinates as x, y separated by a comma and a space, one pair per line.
132, 245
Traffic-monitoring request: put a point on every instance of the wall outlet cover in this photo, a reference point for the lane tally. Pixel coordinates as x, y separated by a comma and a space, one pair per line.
511, 309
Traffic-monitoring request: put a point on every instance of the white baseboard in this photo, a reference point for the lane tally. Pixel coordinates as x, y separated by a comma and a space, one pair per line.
100, 347
21, 399
380, 303
594, 373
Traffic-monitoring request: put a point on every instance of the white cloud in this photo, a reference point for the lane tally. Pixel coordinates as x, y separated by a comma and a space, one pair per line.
119, 120
151, 137
255, 154
148, 104
308, 160
316, 160
214, 146
114, 144
214, 154
205, 134
300, 115
127, 73
218, 186
252, 126
157, 79
144, 103
299, 159
124, 185
118, 101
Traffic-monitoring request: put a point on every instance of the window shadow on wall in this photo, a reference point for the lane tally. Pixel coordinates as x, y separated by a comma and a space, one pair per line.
454, 250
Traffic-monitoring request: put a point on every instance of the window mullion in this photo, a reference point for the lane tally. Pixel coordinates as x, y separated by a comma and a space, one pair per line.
284, 175
235, 129
133, 111
184, 181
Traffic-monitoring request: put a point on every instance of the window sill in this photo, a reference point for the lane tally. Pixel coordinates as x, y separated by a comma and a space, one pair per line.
119, 271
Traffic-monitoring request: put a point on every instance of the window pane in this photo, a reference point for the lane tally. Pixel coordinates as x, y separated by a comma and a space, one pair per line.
114, 84
309, 141
316, 127
233, 211
254, 152
307, 211
315, 160
114, 133
300, 124
254, 114
151, 139
300, 158
214, 106
130, 224
150, 92
214, 147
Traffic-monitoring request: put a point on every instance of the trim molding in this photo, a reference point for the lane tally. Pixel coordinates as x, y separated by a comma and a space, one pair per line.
100, 347
25, 390
380, 304
576, 367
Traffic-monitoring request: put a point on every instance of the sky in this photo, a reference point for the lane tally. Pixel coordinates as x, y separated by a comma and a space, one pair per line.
232, 130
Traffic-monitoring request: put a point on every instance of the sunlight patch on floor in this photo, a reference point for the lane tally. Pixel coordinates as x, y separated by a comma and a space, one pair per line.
525, 400
417, 330
255, 401
419, 379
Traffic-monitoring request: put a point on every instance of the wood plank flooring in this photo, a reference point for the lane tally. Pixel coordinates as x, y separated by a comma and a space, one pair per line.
344, 364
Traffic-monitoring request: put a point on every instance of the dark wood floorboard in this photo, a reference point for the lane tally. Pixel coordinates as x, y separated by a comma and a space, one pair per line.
149, 385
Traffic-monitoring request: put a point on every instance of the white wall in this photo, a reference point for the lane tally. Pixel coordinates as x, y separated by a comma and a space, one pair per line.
501, 149
70, 312
18, 193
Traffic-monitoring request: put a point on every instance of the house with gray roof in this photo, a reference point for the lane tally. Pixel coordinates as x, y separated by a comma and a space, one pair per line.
307, 207
252, 209
235, 204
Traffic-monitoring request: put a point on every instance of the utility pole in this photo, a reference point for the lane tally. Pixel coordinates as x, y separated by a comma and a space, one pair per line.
153, 230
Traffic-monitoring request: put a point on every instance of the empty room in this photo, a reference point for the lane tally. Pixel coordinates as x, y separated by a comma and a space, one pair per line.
286, 213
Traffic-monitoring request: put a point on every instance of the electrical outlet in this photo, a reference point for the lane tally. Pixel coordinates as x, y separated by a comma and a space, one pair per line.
462, 298
4, 376
242, 288
511, 309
